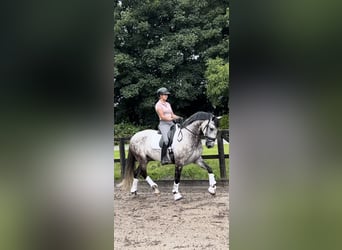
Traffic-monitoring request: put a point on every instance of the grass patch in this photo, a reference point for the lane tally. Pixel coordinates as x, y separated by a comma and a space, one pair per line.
190, 172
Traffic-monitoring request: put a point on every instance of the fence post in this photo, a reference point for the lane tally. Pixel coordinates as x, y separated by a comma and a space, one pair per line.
122, 157
220, 149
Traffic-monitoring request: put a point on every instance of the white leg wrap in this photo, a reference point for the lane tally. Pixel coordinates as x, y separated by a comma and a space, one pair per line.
212, 190
134, 187
212, 181
177, 196
212, 184
150, 181
175, 188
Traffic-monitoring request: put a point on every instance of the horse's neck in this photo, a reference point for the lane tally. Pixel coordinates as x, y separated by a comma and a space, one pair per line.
195, 127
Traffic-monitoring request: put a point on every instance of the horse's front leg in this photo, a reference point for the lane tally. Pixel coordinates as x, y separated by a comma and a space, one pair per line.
212, 181
176, 194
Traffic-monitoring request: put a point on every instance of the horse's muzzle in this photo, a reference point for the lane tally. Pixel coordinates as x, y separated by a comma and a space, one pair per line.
210, 143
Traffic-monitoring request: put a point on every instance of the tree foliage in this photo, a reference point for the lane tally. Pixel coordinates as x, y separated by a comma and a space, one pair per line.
217, 74
165, 43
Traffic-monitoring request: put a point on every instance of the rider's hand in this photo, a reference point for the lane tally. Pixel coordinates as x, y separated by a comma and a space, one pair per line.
179, 119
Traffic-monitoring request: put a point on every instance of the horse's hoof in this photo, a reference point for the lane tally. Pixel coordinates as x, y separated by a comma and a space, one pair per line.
135, 192
156, 190
177, 196
212, 190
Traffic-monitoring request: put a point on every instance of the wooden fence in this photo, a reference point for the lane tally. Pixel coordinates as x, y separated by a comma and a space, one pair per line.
221, 156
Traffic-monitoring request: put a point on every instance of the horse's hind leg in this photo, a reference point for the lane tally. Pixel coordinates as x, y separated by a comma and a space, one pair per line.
148, 179
153, 185
134, 187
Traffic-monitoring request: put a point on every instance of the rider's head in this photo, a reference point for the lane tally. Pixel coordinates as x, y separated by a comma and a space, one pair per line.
162, 91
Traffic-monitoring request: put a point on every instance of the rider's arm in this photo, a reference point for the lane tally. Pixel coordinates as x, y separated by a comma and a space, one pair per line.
174, 117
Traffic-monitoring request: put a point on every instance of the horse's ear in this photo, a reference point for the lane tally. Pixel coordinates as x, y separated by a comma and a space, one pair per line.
216, 119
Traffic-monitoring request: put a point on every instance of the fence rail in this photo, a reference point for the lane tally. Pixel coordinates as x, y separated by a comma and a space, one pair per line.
221, 156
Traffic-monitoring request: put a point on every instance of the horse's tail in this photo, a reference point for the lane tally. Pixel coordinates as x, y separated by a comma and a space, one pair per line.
126, 183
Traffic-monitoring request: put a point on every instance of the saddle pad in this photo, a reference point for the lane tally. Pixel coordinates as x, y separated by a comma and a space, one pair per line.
155, 142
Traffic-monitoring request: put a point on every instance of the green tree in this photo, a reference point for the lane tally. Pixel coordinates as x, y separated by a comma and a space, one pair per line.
217, 75
165, 43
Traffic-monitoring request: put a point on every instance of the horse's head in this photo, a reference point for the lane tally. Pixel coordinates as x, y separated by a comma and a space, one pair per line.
209, 129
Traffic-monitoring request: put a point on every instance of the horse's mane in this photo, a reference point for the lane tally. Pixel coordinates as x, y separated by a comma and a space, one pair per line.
199, 116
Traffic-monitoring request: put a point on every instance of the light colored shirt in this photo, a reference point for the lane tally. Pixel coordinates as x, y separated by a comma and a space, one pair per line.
166, 108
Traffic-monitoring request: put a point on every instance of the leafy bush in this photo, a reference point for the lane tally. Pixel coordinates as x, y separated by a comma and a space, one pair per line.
126, 130
224, 122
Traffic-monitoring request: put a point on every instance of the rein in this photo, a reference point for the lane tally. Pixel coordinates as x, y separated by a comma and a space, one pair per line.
193, 133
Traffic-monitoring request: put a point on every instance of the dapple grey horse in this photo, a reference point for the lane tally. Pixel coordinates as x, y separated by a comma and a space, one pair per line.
186, 146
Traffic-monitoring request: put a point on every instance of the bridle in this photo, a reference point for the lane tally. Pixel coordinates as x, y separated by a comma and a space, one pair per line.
206, 128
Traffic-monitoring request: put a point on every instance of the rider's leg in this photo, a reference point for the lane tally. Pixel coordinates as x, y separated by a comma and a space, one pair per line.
164, 129
164, 157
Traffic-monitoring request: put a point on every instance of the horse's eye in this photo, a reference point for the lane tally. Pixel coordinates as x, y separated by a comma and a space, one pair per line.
211, 129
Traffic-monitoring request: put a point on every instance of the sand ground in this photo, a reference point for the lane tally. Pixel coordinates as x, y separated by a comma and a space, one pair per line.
147, 221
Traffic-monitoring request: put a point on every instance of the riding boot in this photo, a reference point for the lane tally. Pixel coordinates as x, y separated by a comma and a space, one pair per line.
164, 158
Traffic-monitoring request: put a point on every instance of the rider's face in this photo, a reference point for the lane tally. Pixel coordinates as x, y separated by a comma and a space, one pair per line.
164, 97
